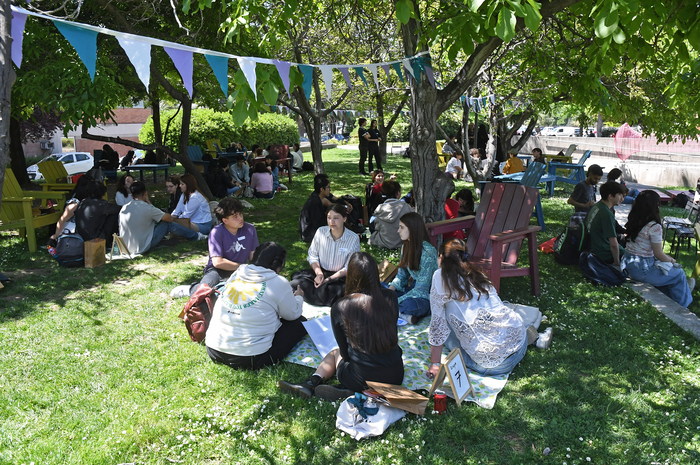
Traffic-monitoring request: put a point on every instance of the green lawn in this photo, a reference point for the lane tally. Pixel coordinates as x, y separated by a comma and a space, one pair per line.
95, 367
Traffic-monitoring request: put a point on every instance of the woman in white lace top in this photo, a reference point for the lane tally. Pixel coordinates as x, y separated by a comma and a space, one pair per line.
467, 313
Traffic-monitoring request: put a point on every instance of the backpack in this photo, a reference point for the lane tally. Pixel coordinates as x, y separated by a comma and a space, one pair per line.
355, 216
680, 200
598, 271
70, 251
307, 166
197, 312
570, 243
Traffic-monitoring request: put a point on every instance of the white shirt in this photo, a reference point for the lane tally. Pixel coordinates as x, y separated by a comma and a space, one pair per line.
196, 209
330, 254
121, 200
137, 220
452, 164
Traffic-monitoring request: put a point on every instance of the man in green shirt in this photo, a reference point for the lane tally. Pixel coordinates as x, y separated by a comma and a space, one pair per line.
600, 224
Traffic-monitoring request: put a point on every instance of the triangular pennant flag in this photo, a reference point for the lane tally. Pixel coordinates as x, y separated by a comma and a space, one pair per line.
407, 66
248, 67
373, 70
493, 99
346, 75
283, 70
308, 72
220, 67
139, 54
387, 69
84, 41
327, 71
397, 68
17, 33
429, 73
360, 72
416, 64
182, 59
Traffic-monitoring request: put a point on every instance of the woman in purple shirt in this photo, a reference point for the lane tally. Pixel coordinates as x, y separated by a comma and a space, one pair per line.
261, 182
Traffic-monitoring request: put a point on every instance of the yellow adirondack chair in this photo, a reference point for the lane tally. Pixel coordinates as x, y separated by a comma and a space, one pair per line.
56, 177
214, 147
442, 158
17, 212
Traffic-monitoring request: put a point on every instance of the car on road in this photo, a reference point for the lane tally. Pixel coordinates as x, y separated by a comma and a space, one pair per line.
565, 131
74, 162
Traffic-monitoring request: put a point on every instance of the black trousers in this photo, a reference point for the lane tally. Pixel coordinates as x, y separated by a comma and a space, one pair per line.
374, 153
324, 295
287, 336
212, 277
363, 157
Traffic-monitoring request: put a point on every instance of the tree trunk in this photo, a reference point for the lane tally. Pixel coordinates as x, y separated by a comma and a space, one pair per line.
17, 161
316, 144
599, 126
183, 158
6, 80
381, 128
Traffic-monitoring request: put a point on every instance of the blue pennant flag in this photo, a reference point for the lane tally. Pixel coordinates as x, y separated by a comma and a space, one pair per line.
397, 68
220, 67
84, 41
308, 72
360, 72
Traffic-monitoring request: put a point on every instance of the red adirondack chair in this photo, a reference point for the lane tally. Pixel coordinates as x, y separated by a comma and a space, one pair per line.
501, 223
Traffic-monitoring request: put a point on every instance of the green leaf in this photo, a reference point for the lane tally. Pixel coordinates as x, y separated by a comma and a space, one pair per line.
505, 28
605, 23
270, 92
186, 6
475, 4
647, 31
517, 8
240, 113
693, 37
532, 17
619, 36
239, 78
607, 67
492, 8
403, 10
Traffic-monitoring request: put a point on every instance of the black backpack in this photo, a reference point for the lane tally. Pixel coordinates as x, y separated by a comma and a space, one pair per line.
70, 251
680, 200
598, 271
570, 243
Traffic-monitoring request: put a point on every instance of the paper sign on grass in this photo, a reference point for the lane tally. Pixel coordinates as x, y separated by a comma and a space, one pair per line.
321, 334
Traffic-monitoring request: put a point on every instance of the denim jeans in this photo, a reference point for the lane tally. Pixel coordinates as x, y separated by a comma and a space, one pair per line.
163, 228
260, 195
674, 284
204, 228
505, 367
413, 305
233, 190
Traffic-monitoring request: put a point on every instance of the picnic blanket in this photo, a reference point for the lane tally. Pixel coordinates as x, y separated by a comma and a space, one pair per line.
413, 340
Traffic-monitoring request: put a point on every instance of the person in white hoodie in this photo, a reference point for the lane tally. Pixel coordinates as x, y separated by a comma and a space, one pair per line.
257, 319
385, 227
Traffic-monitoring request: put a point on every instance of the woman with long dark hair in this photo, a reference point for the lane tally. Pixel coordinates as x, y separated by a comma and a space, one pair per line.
373, 145
645, 248
261, 182
66, 223
364, 325
123, 195
416, 268
257, 319
467, 313
363, 136
193, 205
172, 185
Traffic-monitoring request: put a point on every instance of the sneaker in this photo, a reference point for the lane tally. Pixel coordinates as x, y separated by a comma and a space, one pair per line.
691, 284
202, 237
545, 339
410, 319
333, 393
305, 389
180, 291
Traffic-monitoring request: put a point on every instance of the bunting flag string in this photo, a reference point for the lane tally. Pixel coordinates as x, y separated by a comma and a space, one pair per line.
83, 38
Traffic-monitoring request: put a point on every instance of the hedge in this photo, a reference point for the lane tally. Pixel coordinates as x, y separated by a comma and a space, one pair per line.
209, 124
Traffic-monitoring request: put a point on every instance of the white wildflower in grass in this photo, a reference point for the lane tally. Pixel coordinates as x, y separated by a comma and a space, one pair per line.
580, 439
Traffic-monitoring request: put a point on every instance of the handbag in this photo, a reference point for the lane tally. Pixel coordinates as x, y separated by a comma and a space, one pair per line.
361, 417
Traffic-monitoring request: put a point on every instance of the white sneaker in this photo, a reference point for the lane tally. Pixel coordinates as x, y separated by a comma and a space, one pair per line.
202, 237
180, 291
545, 339
410, 319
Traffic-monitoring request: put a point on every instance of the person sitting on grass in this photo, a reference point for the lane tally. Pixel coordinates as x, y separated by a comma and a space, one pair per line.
466, 312
142, 226
220, 182
257, 319
615, 175
313, 213
600, 224
416, 268
193, 205
329, 253
645, 247
274, 169
262, 182
364, 324
172, 185
385, 226
66, 223
373, 191
514, 164
241, 172
123, 195
298, 157
583, 196
95, 218
466, 202
454, 166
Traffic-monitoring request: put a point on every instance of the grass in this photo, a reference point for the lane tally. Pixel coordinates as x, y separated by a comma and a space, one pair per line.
96, 368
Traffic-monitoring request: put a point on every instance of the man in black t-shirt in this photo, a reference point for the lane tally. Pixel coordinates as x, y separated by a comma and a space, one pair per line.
364, 136
583, 196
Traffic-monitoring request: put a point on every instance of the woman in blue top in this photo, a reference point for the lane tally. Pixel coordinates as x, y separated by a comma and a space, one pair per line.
419, 262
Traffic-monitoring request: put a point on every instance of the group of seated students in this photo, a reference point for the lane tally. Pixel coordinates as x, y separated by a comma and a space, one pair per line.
642, 257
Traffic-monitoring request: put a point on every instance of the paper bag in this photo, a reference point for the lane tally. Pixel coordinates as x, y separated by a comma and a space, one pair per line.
182, 222
400, 397
387, 271
95, 254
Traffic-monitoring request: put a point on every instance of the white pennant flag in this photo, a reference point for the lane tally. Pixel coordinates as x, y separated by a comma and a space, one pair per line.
248, 67
407, 65
139, 54
373, 69
493, 99
327, 71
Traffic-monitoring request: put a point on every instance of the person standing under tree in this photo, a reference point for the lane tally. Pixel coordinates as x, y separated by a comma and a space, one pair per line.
364, 136
374, 138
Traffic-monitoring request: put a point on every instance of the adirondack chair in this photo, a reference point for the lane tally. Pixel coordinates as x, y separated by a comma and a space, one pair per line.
531, 178
17, 213
443, 158
501, 223
577, 173
194, 152
53, 171
214, 147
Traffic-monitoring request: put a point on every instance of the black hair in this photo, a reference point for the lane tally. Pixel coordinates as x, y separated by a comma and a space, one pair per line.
538, 150
614, 174
260, 167
320, 182
390, 189
594, 170
137, 189
227, 207
223, 162
121, 185
96, 190
340, 209
82, 188
468, 197
644, 210
611, 188
270, 255
361, 121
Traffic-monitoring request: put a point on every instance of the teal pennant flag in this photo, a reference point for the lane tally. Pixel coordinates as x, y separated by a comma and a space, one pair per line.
84, 41
220, 67
308, 72
360, 72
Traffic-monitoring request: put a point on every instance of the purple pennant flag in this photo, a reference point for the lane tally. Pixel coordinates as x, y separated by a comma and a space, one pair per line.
386, 69
346, 75
283, 68
84, 41
17, 32
429, 72
182, 59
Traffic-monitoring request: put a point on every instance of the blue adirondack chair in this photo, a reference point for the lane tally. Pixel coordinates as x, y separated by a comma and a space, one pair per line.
577, 173
194, 152
531, 178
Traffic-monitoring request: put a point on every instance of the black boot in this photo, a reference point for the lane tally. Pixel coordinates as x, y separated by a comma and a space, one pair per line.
305, 389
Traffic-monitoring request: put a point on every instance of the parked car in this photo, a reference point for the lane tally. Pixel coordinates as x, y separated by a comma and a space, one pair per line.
565, 131
548, 131
74, 162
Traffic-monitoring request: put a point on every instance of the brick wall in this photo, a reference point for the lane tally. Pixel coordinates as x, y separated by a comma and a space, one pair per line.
131, 115
86, 145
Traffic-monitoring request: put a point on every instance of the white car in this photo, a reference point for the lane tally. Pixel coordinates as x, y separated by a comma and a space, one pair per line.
74, 162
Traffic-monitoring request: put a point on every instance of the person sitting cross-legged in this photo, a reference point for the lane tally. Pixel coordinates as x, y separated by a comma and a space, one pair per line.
514, 164
583, 196
600, 224
142, 226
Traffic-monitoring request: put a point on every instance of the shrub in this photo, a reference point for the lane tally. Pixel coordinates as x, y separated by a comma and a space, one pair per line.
208, 124
399, 131
450, 122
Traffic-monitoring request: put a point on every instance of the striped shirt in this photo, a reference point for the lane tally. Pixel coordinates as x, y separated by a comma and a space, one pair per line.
333, 255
